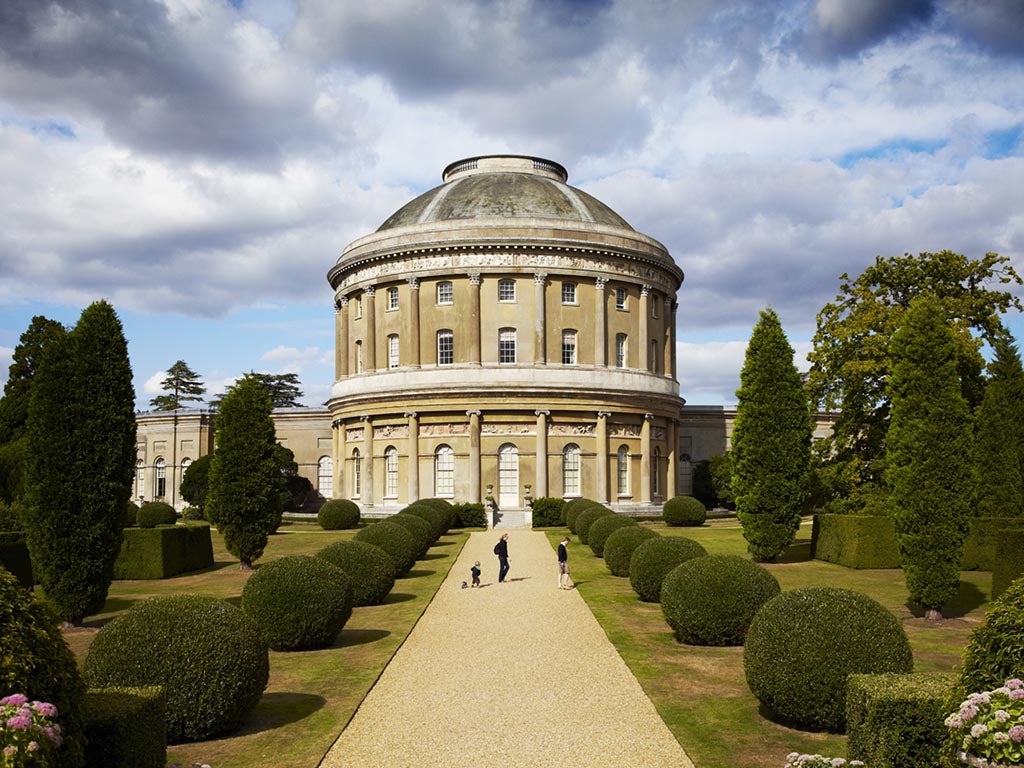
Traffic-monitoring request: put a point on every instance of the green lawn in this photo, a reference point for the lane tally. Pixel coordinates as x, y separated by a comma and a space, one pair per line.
701, 692
312, 694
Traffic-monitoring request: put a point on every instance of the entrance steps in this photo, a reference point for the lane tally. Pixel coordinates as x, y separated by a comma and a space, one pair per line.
510, 519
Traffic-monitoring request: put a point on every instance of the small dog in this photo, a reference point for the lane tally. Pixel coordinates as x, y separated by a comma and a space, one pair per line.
464, 585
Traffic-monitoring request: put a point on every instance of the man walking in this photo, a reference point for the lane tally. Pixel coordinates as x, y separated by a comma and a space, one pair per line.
563, 564
501, 550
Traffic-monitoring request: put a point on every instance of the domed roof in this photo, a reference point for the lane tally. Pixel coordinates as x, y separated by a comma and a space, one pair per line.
505, 186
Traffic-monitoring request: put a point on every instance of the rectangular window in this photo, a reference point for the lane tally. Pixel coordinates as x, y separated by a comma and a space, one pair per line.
568, 293
652, 364
392, 299
507, 345
506, 290
568, 347
620, 298
620, 350
359, 306
445, 293
445, 348
359, 357
393, 350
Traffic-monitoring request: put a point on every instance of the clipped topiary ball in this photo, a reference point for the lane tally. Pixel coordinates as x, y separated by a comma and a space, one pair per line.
437, 517
586, 518
802, 645
154, 513
370, 568
131, 514
711, 600
603, 527
393, 539
337, 514
299, 602
38, 663
209, 656
573, 507
443, 505
421, 530
620, 545
995, 652
684, 510
653, 560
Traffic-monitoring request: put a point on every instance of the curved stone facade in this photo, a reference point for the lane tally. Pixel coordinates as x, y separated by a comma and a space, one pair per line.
505, 332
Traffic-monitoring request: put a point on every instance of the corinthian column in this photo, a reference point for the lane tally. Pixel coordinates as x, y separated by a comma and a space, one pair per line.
341, 338
412, 332
540, 320
370, 320
602, 457
673, 458
414, 455
540, 485
474, 321
474, 456
645, 459
366, 492
337, 475
645, 352
600, 324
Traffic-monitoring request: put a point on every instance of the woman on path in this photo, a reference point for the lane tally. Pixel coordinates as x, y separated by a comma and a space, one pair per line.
501, 550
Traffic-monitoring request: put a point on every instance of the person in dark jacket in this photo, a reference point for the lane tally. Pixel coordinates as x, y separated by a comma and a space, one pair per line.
501, 550
563, 565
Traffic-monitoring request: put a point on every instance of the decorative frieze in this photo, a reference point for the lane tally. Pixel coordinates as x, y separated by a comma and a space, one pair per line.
509, 428
569, 430
390, 431
624, 430
443, 430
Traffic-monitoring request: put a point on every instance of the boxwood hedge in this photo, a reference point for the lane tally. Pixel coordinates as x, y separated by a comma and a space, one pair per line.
684, 510
652, 561
393, 539
620, 545
586, 518
603, 527
370, 568
337, 514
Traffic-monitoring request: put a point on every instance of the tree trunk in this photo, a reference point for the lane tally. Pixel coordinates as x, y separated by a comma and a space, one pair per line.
933, 614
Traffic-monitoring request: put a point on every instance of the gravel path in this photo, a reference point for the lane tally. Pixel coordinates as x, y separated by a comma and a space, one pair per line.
518, 673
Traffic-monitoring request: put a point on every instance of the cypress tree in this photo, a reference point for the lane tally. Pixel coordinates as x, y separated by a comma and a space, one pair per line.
81, 439
999, 436
244, 496
929, 429
771, 442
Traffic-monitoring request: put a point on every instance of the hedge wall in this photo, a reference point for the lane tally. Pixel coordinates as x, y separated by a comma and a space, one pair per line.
1009, 562
125, 726
856, 541
15, 558
159, 553
980, 544
895, 721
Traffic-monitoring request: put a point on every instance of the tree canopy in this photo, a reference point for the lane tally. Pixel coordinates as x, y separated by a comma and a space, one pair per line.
181, 386
25, 363
282, 388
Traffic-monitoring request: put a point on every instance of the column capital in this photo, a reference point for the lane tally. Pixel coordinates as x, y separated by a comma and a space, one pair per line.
542, 413
370, 290
410, 414
645, 290
473, 413
600, 283
603, 414
540, 278
648, 417
364, 418
414, 283
475, 278
341, 303
669, 301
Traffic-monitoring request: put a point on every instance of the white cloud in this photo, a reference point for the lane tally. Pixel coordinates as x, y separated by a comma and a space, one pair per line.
154, 384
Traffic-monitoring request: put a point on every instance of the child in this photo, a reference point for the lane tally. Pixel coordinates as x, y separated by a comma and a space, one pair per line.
475, 570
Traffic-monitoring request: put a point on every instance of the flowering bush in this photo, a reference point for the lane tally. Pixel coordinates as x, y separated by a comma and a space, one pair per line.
991, 724
796, 760
28, 735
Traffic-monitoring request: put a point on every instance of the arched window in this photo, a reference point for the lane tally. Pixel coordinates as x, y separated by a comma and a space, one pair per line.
445, 347
444, 471
359, 356
571, 470
391, 471
140, 478
568, 347
507, 345
393, 350
656, 472
622, 471
160, 486
357, 476
506, 290
325, 477
620, 350
653, 362
184, 467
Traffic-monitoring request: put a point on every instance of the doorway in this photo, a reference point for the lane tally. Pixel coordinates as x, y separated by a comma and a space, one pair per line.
508, 477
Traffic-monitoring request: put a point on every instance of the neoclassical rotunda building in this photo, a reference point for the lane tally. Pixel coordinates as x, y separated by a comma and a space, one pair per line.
507, 335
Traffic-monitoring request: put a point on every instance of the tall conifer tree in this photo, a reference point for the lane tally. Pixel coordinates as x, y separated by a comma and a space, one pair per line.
81, 434
771, 442
181, 386
929, 429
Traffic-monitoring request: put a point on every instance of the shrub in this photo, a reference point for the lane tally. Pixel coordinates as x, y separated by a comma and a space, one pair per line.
421, 530
995, 652
209, 656
897, 720
712, 600
802, 645
982, 538
684, 510
370, 568
620, 545
469, 515
131, 514
586, 518
653, 560
299, 602
15, 558
572, 509
192, 514
126, 727
856, 541
159, 553
547, 512
1009, 564
438, 518
603, 527
154, 513
393, 539
196, 481
337, 514
11, 515
38, 663
442, 505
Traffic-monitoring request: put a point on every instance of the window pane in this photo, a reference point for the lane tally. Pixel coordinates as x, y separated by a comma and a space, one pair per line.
568, 347
325, 477
391, 471
623, 471
445, 293
568, 293
445, 348
620, 298
571, 471
160, 490
620, 350
444, 471
393, 351
506, 290
392, 298
507, 345
357, 477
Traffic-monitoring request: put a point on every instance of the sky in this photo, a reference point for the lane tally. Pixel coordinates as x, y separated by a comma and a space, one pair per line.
201, 164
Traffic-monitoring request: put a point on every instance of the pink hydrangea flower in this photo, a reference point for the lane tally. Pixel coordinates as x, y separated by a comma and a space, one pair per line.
1017, 733
44, 708
1014, 684
14, 700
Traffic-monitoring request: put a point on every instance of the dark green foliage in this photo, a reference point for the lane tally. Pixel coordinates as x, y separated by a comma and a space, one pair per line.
684, 510
895, 721
547, 512
337, 514
14, 406
856, 541
15, 558
433, 514
421, 530
299, 602
182, 385
620, 545
602, 528
126, 727
191, 514
38, 663
282, 389
154, 513
572, 509
771, 442
930, 422
803, 643
208, 655
370, 568
131, 514
703, 487
245, 485
81, 461
159, 553
393, 539
298, 492
1009, 562
721, 479
12, 469
982, 536
469, 515
196, 481
12, 516
654, 559
995, 652
712, 600
586, 518
444, 506
997, 457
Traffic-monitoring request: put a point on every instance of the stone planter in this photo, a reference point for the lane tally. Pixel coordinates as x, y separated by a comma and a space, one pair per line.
981, 762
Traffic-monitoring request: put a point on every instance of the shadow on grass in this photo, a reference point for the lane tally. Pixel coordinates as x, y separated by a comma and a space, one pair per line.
798, 552
442, 544
278, 709
396, 597
350, 637
434, 556
769, 714
115, 604
967, 598
416, 574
